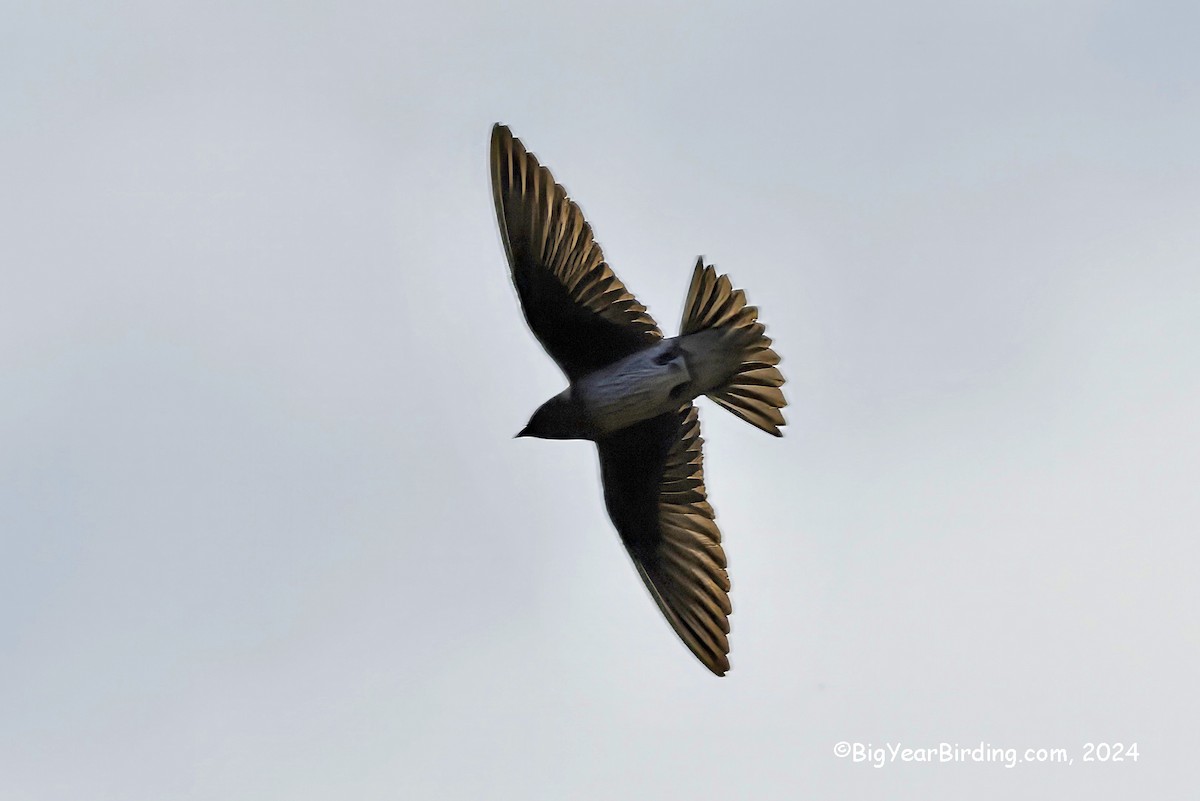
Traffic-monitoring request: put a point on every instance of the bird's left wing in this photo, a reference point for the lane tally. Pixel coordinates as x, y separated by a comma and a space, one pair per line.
577, 308
653, 476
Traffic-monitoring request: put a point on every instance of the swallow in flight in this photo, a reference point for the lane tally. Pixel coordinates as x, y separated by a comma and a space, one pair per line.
630, 390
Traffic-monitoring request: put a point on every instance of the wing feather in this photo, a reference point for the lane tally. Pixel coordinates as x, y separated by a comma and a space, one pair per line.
654, 488
575, 305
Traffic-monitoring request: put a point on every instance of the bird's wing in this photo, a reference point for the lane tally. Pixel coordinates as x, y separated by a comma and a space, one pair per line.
654, 488
579, 310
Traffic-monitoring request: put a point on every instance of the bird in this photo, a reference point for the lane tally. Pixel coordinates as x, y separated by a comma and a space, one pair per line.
631, 390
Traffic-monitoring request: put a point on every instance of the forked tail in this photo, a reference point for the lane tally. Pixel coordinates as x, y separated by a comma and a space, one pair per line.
752, 393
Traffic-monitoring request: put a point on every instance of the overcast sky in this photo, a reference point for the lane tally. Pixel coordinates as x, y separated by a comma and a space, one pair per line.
264, 530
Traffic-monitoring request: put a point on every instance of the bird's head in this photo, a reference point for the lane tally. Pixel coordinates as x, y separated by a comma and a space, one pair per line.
561, 417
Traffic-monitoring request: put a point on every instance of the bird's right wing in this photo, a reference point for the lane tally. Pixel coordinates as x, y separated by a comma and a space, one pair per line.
653, 476
577, 308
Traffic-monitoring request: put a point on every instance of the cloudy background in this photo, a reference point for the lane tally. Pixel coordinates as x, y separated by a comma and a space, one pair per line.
265, 533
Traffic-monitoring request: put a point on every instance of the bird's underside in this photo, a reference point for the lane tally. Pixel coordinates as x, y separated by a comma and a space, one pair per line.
650, 459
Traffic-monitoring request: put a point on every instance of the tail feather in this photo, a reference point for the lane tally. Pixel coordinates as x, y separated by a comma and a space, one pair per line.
752, 393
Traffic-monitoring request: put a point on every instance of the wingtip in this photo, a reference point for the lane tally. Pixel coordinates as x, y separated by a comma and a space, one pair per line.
719, 668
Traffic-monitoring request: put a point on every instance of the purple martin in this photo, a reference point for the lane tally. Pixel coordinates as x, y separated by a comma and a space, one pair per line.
630, 390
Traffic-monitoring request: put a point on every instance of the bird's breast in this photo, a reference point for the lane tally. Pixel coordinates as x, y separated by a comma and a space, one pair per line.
643, 385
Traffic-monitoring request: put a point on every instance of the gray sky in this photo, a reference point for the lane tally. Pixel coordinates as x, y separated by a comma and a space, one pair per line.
266, 535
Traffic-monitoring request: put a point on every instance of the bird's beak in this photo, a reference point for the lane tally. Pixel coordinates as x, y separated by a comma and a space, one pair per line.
524, 432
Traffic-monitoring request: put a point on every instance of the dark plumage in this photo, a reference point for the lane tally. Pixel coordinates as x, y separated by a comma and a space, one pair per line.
631, 391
